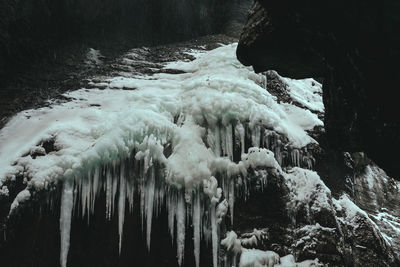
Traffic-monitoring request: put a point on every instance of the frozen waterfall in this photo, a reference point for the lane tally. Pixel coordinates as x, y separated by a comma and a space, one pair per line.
184, 142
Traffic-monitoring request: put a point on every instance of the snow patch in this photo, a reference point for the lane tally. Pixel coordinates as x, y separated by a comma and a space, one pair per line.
307, 188
307, 92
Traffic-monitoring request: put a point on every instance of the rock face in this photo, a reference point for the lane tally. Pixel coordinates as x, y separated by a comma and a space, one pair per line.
354, 46
378, 195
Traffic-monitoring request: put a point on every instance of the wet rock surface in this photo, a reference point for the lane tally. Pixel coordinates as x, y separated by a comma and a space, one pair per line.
356, 55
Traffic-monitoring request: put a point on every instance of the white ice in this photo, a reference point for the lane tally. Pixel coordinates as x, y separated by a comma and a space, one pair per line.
306, 187
97, 125
65, 220
307, 92
214, 100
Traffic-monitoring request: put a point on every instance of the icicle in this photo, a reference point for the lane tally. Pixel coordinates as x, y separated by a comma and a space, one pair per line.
229, 141
88, 195
180, 229
266, 139
130, 193
114, 189
109, 199
255, 136
312, 161
149, 206
231, 193
264, 180
82, 191
85, 196
121, 203
65, 219
278, 152
272, 140
196, 227
75, 197
239, 131
295, 157
171, 213
222, 131
217, 142
160, 195
211, 139
214, 234
142, 193
95, 189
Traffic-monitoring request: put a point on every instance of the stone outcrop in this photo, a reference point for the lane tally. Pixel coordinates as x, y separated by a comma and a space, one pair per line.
354, 46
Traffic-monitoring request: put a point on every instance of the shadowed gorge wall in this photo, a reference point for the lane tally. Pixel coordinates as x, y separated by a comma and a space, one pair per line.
355, 46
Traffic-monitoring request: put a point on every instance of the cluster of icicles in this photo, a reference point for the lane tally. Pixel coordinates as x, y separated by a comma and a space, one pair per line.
125, 180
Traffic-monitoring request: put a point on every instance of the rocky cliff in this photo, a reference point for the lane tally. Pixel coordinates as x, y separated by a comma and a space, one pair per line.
354, 46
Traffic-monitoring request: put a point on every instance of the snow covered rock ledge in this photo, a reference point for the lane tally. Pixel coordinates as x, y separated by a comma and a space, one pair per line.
190, 154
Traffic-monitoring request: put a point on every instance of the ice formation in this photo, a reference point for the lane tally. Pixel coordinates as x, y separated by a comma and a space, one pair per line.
256, 257
65, 220
184, 141
307, 92
307, 189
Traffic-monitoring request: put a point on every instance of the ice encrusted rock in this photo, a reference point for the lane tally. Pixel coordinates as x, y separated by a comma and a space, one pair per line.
256, 257
378, 194
115, 142
364, 242
191, 144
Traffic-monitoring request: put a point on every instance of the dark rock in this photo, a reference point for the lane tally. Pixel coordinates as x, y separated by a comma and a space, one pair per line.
355, 46
363, 245
378, 195
30, 30
266, 47
316, 241
277, 87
